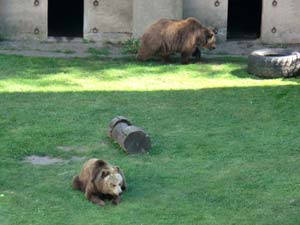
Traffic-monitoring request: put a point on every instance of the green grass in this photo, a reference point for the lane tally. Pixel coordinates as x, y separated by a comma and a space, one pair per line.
96, 52
226, 145
86, 41
2, 38
131, 46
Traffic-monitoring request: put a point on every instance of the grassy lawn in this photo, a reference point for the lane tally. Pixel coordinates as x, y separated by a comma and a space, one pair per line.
226, 146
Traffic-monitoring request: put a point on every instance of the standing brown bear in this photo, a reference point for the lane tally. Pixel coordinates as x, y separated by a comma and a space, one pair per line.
166, 37
100, 181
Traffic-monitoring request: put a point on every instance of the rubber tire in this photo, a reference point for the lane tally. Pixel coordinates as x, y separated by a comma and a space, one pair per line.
274, 63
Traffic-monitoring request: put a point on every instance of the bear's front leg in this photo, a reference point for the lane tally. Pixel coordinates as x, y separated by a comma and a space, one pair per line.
116, 200
96, 200
89, 194
197, 54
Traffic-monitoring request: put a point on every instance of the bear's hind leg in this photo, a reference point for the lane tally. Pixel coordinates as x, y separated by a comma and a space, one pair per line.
185, 56
146, 51
166, 58
143, 55
77, 184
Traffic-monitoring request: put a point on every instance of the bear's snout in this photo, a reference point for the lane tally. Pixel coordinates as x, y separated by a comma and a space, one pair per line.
117, 195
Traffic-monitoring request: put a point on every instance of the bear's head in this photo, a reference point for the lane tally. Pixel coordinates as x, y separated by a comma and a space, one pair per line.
110, 181
209, 38
112, 184
205, 36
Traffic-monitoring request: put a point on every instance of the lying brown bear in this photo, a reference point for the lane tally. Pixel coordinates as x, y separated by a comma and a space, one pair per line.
100, 181
166, 37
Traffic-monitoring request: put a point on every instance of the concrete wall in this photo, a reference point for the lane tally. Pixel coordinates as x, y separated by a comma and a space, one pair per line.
110, 20
145, 12
117, 20
21, 19
285, 18
208, 13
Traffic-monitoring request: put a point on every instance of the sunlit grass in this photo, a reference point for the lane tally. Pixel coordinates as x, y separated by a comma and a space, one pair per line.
92, 75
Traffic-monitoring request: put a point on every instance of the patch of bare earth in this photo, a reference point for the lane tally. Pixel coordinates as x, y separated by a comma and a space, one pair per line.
43, 160
46, 160
56, 48
69, 48
77, 158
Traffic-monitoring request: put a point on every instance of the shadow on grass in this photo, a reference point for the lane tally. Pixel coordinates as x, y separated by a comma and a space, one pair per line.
38, 68
31, 68
243, 73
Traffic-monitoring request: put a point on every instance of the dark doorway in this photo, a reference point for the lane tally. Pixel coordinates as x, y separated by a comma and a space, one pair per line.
244, 19
65, 18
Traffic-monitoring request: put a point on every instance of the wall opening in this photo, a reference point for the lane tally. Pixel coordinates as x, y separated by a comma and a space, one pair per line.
65, 18
244, 19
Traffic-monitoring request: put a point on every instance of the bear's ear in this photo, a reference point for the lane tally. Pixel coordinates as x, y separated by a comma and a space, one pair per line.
104, 173
215, 30
124, 185
209, 34
99, 164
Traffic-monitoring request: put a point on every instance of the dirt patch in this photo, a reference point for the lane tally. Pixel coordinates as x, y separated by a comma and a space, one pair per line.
55, 48
46, 160
81, 48
43, 160
77, 158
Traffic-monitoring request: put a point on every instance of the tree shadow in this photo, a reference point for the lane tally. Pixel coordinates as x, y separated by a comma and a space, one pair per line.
104, 69
33, 68
243, 73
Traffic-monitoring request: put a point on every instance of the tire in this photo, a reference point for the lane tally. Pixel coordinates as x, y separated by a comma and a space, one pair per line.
274, 63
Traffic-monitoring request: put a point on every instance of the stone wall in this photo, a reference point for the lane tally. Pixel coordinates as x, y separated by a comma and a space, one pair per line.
110, 20
21, 19
118, 20
145, 12
284, 17
208, 13
281, 22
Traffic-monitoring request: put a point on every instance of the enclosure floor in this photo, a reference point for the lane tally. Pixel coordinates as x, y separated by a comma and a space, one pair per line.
68, 48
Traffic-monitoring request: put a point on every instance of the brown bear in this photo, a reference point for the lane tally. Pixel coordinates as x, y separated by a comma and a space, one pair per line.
100, 181
166, 37
197, 54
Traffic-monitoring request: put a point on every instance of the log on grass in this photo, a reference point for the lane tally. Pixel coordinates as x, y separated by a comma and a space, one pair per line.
131, 138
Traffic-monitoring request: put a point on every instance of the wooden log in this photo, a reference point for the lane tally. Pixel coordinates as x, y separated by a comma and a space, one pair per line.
131, 138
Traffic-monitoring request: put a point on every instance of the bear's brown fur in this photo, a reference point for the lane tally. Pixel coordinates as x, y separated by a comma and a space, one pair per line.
100, 181
166, 37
